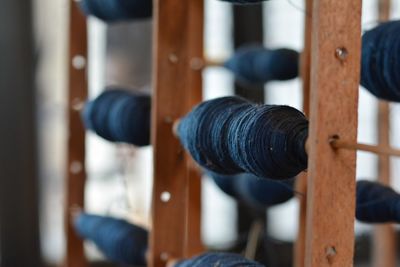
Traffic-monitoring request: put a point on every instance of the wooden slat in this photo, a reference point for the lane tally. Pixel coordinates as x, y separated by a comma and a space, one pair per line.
193, 241
335, 64
170, 100
77, 93
384, 238
384, 141
301, 183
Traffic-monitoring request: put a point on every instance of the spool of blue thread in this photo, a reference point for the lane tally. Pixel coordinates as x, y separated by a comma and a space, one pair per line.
254, 191
218, 259
119, 240
230, 135
116, 10
380, 61
245, 1
377, 203
258, 65
119, 116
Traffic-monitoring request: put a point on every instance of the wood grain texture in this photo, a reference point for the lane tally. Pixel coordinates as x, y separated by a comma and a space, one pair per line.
301, 183
193, 243
384, 245
170, 102
335, 72
75, 169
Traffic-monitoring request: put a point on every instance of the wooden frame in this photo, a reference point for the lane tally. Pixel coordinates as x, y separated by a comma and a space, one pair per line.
330, 74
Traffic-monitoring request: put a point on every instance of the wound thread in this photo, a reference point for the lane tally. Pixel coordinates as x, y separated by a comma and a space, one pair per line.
231, 135
380, 62
259, 65
119, 116
119, 240
117, 10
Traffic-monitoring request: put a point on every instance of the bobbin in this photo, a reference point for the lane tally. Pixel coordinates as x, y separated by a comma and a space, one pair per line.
336, 143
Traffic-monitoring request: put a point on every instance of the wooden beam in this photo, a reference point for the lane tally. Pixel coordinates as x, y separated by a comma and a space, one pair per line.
75, 168
301, 183
335, 65
170, 101
384, 249
384, 245
193, 240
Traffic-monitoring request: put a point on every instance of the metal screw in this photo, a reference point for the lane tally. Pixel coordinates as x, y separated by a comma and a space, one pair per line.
341, 53
165, 196
196, 63
164, 256
330, 253
79, 62
75, 167
173, 58
77, 104
168, 119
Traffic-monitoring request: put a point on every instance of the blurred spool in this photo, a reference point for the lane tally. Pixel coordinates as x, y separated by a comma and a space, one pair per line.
117, 10
119, 240
119, 116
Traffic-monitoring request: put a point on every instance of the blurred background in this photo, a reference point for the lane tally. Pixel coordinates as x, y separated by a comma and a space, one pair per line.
33, 78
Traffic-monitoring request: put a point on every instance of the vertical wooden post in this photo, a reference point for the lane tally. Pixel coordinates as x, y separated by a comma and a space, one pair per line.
171, 100
384, 245
301, 183
75, 169
193, 241
335, 64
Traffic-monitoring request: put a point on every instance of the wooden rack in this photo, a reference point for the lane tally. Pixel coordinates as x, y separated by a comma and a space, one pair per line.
330, 71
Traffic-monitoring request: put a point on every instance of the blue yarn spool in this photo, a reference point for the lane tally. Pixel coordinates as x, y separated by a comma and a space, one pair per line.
258, 65
115, 10
377, 203
254, 191
119, 116
230, 135
245, 1
380, 61
212, 259
119, 240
